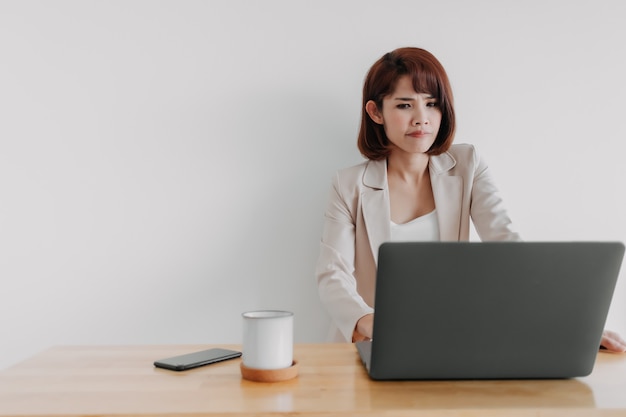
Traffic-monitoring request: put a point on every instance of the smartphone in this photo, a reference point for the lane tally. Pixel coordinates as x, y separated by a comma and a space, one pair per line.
193, 360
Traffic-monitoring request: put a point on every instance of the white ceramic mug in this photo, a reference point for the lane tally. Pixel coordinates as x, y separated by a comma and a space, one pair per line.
267, 339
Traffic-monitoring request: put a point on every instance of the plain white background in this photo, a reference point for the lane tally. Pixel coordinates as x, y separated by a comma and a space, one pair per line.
164, 165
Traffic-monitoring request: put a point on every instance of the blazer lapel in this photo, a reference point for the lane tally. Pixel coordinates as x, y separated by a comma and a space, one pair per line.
375, 205
448, 194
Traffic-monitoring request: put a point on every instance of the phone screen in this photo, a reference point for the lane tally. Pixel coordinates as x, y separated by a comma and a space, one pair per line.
193, 360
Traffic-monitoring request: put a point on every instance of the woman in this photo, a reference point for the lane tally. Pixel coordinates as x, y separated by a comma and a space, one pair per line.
415, 185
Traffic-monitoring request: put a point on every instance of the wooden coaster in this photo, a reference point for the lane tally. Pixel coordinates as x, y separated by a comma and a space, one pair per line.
269, 375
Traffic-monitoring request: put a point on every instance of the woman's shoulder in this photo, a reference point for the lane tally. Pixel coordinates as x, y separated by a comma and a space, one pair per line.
359, 170
459, 158
463, 151
464, 154
353, 169
367, 173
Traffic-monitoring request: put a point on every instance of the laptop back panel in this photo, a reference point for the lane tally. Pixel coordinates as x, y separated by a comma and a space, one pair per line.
491, 310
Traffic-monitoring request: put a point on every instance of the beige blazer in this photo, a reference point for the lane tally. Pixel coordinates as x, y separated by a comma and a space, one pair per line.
358, 220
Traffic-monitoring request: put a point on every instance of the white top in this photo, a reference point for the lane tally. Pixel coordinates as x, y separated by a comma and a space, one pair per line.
422, 229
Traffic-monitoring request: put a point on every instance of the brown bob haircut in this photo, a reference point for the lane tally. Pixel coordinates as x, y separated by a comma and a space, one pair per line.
428, 76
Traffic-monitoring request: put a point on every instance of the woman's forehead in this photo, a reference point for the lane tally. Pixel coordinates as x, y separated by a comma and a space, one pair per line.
406, 84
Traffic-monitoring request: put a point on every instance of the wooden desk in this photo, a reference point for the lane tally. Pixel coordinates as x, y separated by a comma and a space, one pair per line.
110, 380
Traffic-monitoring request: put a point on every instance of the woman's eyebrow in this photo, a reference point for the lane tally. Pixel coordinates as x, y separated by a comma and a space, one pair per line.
427, 97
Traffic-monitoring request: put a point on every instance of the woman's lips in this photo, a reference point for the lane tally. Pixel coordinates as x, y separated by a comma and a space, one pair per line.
418, 134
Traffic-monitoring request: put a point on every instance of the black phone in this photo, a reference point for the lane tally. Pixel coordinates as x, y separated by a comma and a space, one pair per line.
193, 360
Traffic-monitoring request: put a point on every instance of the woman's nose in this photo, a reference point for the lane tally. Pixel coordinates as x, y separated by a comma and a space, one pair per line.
420, 117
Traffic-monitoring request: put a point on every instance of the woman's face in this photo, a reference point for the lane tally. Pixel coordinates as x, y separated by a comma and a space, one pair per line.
411, 120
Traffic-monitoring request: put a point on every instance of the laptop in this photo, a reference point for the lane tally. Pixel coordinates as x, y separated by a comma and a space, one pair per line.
490, 310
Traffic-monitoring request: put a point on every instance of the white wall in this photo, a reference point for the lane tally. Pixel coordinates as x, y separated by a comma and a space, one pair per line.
164, 165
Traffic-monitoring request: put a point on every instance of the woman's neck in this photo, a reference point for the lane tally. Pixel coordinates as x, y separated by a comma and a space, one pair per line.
408, 167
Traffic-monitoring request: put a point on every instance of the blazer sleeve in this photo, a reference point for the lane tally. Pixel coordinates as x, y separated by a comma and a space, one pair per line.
337, 285
487, 209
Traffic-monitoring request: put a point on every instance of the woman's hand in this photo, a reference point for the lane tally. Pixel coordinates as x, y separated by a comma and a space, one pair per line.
364, 328
612, 342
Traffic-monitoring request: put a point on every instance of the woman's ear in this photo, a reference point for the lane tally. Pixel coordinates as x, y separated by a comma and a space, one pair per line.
372, 110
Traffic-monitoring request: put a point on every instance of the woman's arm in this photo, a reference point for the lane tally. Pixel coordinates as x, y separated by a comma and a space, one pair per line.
335, 267
487, 209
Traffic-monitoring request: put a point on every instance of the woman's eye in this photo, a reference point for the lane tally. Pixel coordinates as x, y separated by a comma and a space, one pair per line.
403, 106
431, 104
